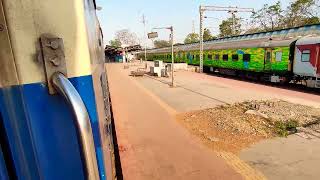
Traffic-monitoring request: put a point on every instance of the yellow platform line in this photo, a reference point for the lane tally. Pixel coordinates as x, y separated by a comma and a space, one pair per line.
241, 167
231, 159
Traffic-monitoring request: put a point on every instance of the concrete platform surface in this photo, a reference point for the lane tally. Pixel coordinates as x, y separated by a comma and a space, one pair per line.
196, 91
296, 157
152, 144
292, 158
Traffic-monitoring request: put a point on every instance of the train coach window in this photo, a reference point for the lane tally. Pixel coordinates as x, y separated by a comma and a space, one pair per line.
278, 56
246, 57
268, 57
305, 56
210, 57
235, 57
197, 57
217, 57
225, 57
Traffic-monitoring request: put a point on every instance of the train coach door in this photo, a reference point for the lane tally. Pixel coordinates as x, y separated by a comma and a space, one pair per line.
318, 60
55, 119
267, 59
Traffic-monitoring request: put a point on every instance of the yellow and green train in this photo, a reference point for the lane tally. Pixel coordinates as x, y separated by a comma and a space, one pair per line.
267, 55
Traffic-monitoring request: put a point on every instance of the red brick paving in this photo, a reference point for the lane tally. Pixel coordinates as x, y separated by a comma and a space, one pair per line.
153, 145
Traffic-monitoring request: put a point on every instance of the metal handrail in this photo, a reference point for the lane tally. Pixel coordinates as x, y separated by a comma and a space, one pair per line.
82, 123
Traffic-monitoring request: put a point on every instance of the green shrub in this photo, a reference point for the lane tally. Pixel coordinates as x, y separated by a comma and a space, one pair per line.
283, 128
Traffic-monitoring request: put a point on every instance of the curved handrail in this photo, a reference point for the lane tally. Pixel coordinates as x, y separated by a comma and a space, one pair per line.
82, 123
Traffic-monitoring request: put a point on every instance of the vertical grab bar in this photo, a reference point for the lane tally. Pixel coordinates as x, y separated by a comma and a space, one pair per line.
82, 123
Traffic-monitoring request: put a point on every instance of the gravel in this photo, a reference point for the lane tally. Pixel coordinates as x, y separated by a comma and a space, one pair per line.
234, 127
278, 110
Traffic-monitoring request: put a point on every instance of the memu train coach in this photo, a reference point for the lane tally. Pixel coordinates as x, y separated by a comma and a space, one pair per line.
281, 56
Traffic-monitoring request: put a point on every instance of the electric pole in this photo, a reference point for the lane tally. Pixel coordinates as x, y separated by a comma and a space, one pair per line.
233, 23
172, 51
231, 10
193, 27
201, 40
145, 36
172, 57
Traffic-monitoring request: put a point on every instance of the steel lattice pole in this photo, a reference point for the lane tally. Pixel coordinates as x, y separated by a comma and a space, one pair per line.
201, 40
172, 58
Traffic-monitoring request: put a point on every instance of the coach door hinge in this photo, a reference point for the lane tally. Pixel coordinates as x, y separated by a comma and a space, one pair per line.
53, 57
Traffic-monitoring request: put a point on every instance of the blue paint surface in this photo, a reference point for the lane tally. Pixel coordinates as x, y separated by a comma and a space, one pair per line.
239, 51
246, 65
189, 58
46, 124
17, 132
54, 134
3, 168
87, 94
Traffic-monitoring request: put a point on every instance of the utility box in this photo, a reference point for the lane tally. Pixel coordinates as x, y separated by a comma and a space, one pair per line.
158, 63
157, 68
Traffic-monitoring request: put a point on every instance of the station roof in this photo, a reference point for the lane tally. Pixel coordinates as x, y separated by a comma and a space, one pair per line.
117, 50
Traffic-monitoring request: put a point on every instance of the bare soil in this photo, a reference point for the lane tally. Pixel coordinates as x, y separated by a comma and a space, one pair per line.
231, 128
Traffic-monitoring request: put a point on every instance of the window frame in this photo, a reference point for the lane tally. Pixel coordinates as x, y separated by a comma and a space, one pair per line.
225, 55
235, 55
209, 56
245, 59
303, 53
268, 60
217, 57
276, 57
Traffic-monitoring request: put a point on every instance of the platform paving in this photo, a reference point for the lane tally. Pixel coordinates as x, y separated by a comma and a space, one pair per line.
152, 144
295, 157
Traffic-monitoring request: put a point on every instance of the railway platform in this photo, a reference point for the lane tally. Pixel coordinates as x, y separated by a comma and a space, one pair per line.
152, 144
154, 104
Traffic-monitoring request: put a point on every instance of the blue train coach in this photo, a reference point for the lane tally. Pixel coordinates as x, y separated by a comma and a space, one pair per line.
55, 119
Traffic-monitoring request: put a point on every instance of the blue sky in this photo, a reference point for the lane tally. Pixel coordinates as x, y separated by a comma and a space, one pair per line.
127, 14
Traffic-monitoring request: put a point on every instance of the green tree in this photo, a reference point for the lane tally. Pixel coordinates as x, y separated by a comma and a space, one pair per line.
298, 13
269, 17
115, 43
191, 38
302, 12
161, 43
252, 30
226, 27
207, 35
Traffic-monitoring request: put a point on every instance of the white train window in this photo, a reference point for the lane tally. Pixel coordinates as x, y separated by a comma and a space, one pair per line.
278, 56
305, 56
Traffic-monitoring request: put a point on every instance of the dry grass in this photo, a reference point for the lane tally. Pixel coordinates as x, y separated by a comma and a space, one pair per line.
229, 128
